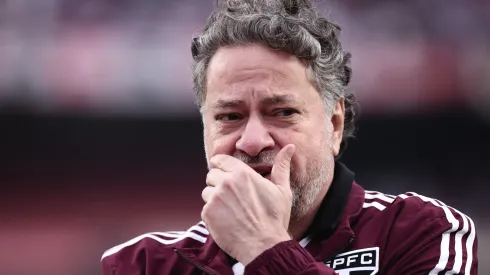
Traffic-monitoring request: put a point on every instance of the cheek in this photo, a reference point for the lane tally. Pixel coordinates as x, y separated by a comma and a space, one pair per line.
219, 144
311, 149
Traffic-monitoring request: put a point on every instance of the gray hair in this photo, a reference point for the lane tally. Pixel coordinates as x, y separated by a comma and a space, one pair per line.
293, 26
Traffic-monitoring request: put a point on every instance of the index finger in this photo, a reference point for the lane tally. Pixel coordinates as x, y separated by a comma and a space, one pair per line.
225, 162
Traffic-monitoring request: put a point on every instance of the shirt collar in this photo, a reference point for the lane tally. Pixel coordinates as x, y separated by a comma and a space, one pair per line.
334, 203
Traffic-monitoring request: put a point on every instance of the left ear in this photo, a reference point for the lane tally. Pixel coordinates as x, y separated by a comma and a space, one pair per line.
338, 126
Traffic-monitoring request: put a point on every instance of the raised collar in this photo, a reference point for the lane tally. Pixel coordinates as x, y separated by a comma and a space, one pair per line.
334, 203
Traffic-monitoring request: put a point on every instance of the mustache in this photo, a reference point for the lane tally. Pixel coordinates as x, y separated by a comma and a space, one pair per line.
266, 158
263, 158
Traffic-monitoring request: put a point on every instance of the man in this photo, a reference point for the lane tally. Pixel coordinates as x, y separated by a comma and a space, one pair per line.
270, 78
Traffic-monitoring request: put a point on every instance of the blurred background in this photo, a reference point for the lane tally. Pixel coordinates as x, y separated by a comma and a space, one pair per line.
100, 140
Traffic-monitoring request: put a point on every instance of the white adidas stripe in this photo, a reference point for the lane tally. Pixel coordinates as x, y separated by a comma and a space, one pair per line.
374, 204
200, 229
175, 232
305, 241
380, 196
468, 227
379, 193
168, 234
469, 247
176, 235
446, 239
446, 236
458, 261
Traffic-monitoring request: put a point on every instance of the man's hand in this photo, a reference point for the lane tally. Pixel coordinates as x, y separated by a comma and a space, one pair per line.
246, 213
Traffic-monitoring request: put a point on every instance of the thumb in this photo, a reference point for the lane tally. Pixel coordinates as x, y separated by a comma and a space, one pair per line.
282, 166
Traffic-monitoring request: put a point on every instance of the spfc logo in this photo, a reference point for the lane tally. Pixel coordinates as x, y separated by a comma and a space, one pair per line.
358, 262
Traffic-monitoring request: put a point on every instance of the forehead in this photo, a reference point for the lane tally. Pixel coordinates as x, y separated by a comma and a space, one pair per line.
255, 70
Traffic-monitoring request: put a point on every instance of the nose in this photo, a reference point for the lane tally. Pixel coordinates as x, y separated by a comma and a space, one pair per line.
255, 138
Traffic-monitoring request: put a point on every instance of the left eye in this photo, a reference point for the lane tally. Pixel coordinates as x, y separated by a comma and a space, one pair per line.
286, 112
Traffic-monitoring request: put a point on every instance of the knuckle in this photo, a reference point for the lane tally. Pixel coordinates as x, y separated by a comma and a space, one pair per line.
243, 174
228, 184
217, 198
217, 161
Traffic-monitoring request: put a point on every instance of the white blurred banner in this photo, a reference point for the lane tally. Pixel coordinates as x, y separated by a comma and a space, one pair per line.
134, 56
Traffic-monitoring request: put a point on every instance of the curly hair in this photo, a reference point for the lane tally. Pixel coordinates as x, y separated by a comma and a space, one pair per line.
294, 26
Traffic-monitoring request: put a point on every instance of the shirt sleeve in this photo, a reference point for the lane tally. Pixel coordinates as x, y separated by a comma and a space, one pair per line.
108, 266
129, 258
445, 244
287, 258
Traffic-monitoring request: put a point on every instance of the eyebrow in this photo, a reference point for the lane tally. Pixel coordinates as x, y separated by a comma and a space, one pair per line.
277, 99
221, 104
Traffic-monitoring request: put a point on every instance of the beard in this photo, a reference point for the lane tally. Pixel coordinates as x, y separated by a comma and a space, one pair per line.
305, 186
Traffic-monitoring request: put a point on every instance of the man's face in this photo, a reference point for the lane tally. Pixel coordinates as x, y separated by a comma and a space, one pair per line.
259, 100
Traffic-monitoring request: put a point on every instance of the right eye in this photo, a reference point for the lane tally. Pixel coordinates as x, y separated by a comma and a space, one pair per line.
228, 117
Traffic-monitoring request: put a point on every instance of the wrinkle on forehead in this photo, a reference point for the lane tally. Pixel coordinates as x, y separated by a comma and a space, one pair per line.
238, 63
257, 72
266, 81
258, 86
